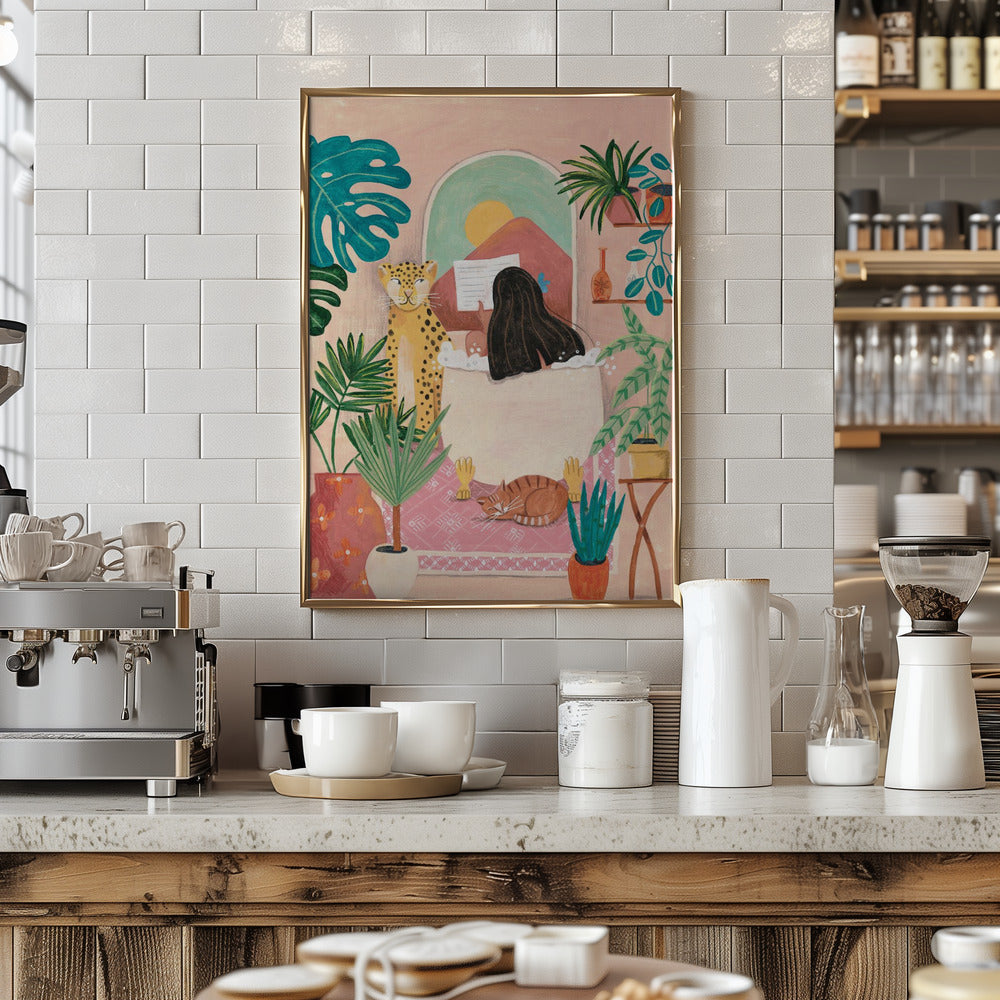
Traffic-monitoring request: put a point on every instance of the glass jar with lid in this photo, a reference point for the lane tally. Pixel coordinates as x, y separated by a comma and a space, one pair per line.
605, 729
931, 231
883, 232
907, 232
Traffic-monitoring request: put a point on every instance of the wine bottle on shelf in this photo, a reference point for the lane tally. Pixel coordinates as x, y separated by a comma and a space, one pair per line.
991, 46
898, 28
964, 45
932, 49
857, 46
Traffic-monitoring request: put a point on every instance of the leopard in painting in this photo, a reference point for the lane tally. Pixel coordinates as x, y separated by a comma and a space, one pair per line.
412, 320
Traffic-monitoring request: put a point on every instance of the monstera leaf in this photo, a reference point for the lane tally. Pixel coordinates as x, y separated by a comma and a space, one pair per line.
322, 301
344, 220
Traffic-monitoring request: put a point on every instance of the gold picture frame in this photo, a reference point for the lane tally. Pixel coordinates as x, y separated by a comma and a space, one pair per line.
490, 347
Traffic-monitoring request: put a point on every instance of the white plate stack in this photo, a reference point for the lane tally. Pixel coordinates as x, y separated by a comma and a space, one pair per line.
666, 704
855, 520
930, 514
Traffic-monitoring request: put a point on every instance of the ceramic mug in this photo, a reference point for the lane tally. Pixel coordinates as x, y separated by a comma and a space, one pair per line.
81, 565
112, 561
150, 533
347, 742
435, 737
147, 562
19, 523
27, 555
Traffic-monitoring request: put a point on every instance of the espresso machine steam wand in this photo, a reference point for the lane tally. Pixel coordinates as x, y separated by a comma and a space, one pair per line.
136, 642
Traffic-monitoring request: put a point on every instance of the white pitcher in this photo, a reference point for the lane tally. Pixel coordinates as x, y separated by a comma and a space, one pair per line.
726, 688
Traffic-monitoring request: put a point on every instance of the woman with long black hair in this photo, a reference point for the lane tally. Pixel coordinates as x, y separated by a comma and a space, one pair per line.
523, 335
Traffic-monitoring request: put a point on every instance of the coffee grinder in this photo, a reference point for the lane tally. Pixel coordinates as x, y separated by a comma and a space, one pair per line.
934, 740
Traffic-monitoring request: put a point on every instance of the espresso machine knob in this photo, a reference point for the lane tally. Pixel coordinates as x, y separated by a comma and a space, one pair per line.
24, 659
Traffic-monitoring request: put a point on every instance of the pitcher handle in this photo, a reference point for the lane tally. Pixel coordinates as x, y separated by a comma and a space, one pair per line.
791, 641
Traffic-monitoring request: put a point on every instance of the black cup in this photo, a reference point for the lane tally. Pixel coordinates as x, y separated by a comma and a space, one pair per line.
863, 200
286, 701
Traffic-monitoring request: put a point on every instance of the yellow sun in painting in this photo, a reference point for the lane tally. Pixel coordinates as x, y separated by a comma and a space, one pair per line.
485, 219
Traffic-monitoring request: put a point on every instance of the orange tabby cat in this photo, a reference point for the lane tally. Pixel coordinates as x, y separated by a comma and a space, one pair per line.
530, 500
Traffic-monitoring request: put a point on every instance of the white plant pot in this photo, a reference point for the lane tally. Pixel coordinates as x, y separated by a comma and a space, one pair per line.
391, 574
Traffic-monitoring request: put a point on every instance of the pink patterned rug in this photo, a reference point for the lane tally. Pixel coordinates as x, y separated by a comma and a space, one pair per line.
452, 536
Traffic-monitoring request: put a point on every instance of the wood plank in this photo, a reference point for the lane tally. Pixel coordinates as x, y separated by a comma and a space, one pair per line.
776, 958
538, 883
708, 946
54, 963
215, 951
919, 947
864, 963
642, 940
7, 963
140, 961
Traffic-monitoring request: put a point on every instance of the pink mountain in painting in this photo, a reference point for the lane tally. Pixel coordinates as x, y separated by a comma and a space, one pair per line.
539, 254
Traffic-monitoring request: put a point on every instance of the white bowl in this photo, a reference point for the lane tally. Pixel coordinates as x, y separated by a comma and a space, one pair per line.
482, 772
705, 985
282, 982
967, 947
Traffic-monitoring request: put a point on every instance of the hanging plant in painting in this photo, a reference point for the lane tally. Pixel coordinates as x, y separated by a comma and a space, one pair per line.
658, 276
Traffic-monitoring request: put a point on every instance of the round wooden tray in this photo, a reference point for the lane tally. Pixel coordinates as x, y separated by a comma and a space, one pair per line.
300, 784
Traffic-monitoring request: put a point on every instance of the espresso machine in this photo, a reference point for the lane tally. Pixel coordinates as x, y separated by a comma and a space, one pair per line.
109, 681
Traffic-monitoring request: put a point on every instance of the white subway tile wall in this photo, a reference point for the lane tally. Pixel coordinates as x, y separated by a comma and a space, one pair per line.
167, 215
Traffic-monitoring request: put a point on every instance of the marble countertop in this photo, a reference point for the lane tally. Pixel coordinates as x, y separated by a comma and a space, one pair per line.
244, 814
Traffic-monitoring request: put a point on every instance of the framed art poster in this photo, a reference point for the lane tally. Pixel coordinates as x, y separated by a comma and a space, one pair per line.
490, 347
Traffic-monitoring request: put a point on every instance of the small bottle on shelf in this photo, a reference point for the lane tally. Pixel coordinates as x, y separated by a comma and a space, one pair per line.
898, 28
932, 49
857, 45
964, 48
931, 231
980, 231
883, 233
991, 45
907, 232
859, 231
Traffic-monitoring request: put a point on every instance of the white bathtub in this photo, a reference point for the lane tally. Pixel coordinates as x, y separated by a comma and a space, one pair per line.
524, 425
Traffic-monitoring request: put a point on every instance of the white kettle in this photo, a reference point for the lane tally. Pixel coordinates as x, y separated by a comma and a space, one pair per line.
726, 688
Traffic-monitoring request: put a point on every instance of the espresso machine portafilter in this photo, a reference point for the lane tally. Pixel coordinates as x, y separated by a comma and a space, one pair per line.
110, 681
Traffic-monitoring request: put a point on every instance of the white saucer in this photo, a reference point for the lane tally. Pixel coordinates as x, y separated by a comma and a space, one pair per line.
482, 772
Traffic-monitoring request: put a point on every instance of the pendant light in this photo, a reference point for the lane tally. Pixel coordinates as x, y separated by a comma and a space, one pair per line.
8, 40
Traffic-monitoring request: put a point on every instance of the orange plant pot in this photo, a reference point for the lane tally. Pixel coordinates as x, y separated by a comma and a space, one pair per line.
588, 582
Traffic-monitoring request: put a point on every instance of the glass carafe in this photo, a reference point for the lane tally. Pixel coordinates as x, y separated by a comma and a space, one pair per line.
842, 738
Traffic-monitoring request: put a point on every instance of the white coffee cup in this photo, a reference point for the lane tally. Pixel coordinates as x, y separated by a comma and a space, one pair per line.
347, 742
112, 560
434, 737
150, 533
148, 562
27, 555
20, 523
81, 566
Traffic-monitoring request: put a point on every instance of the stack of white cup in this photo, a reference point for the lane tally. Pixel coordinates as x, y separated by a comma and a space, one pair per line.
147, 551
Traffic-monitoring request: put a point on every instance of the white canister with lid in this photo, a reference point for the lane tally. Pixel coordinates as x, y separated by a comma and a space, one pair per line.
605, 729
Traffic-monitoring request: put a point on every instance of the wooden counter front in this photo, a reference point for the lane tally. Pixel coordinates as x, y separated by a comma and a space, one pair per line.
163, 926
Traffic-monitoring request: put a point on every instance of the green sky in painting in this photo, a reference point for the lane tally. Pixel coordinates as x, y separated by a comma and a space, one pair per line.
526, 186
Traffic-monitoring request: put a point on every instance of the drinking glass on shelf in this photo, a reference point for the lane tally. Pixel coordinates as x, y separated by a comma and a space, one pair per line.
989, 374
917, 383
878, 371
899, 398
863, 402
950, 389
843, 374
973, 383
934, 377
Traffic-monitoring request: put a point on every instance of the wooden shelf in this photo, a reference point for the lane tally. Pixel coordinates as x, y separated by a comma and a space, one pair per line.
618, 302
857, 107
898, 314
860, 265
857, 437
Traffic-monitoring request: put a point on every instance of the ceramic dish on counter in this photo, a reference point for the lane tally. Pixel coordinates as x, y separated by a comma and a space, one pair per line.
422, 966
481, 773
705, 985
299, 783
503, 933
282, 982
